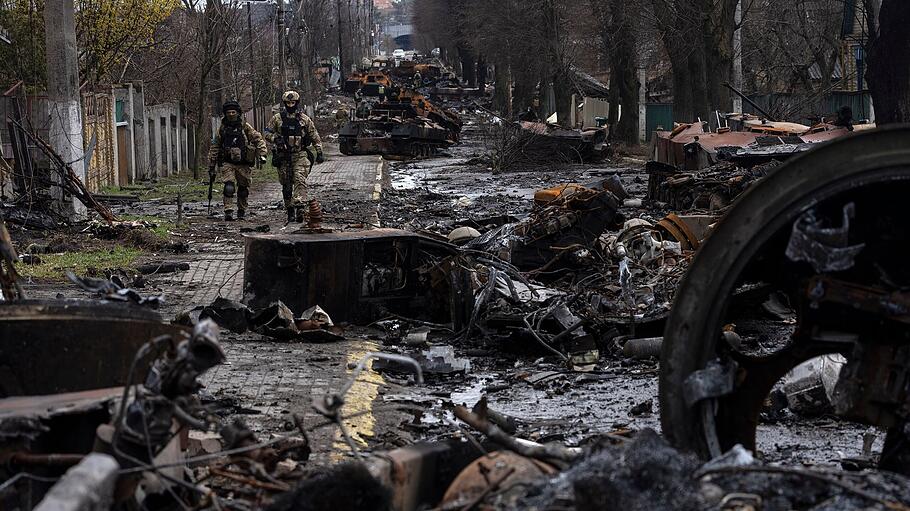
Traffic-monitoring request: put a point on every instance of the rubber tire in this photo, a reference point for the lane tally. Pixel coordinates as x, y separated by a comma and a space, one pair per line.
692, 330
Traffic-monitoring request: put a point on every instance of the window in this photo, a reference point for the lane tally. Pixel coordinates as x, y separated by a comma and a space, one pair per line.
119, 113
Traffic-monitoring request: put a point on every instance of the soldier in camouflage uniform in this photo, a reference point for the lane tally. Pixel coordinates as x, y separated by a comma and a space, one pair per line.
296, 146
236, 147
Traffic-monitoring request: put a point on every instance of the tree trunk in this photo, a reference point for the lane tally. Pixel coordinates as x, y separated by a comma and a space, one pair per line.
562, 94
614, 100
468, 71
200, 130
481, 73
622, 74
719, 25
523, 90
889, 64
502, 88
683, 105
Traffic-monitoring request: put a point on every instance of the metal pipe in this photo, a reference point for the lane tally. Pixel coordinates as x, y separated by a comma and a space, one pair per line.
48, 460
747, 100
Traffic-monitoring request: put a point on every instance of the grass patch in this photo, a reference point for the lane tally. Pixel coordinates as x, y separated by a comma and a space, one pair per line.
162, 226
53, 266
191, 189
267, 173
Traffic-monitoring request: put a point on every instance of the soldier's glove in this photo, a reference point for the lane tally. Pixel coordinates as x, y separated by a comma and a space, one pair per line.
320, 158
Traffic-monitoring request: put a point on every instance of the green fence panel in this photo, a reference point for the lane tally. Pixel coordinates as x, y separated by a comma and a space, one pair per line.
658, 115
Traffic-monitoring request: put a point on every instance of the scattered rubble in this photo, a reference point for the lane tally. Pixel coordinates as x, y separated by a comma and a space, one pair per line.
561, 287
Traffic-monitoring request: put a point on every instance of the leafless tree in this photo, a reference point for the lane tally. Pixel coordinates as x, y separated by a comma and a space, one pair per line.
527, 42
889, 59
698, 37
618, 34
793, 45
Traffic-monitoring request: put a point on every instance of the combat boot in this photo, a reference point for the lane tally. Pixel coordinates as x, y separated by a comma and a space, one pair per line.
241, 213
300, 214
290, 215
228, 215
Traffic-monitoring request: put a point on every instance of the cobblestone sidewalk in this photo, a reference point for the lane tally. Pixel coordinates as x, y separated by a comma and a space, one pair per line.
348, 187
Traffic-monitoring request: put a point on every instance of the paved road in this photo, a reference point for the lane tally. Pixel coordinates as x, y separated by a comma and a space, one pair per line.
268, 379
348, 187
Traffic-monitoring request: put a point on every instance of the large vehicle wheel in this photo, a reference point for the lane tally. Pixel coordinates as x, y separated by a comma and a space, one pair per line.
711, 391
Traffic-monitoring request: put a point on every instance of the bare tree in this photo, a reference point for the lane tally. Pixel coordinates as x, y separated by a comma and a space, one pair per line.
889, 60
698, 37
794, 45
527, 42
618, 35
308, 19
212, 26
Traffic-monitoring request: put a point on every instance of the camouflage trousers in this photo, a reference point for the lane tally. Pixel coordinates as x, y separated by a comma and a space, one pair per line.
240, 177
293, 178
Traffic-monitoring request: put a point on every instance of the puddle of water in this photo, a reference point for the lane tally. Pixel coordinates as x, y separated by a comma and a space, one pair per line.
404, 181
471, 395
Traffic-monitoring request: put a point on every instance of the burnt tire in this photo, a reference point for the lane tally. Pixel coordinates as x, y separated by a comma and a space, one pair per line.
692, 332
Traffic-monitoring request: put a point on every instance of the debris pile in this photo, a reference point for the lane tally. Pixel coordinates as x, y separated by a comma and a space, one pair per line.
524, 145
275, 321
644, 472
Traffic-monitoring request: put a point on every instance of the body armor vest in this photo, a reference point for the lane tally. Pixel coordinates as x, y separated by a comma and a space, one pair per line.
292, 131
233, 143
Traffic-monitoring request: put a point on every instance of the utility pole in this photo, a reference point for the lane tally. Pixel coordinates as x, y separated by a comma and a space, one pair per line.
351, 35
305, 68
738, 56
354, 22
249, 32
65, 130
372, 35
282, 58
340, 42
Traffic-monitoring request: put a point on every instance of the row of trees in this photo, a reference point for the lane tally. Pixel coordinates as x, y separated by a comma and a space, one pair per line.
197, 52
535, 46
109, 33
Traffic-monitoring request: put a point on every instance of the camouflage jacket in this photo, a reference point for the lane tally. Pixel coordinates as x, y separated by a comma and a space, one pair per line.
273, 131
254, 142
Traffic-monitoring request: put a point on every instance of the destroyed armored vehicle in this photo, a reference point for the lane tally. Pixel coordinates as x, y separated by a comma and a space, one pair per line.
818, 233
586, 145
418, 137
407, 124
372, 83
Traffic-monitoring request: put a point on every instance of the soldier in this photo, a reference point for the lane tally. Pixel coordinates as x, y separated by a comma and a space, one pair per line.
341, 117
363, 109
236, 148
297, 145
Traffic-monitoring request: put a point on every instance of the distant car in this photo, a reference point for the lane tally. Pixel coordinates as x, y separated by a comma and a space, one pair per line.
398, 54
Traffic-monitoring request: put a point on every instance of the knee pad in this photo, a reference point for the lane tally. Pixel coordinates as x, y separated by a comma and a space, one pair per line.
243, 192
229, 189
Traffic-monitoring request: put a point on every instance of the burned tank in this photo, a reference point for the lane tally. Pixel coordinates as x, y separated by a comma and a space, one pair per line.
407, 124
417, 137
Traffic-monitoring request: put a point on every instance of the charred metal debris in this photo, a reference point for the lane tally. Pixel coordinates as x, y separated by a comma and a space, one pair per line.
570, 280
802, 311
